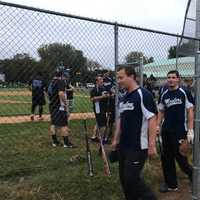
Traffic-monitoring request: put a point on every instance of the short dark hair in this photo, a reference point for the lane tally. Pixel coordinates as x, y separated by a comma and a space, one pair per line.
97, 77
129, 70
174, 72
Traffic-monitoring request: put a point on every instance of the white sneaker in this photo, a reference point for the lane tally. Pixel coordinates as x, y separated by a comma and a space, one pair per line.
69, 145
54, 145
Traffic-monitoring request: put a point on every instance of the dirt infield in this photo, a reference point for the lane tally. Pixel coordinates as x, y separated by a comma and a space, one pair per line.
14, 102
28, 93
15, 93
26, 118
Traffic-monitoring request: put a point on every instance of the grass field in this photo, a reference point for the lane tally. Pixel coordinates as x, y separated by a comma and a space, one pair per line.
20, 104
32, 170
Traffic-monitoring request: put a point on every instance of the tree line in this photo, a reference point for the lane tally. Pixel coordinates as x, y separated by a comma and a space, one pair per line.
22, 67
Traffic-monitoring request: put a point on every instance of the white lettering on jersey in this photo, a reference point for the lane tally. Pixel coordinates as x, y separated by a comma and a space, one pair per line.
172, 102
126, 106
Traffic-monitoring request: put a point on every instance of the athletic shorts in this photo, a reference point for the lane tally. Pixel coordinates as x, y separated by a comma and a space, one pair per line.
59, 118
101, 119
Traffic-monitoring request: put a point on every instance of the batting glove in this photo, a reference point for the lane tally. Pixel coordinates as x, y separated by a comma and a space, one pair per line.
190, 135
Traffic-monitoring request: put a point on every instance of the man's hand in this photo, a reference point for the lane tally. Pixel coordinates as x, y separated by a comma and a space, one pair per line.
190, 135
157, 130
152, 150
114, 145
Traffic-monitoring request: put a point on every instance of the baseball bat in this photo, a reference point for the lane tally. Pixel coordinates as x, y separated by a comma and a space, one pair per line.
88, 152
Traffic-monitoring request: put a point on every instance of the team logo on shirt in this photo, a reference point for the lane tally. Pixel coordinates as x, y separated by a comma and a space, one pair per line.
126, 106
172, 102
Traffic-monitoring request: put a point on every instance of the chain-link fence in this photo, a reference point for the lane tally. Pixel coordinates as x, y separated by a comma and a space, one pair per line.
36, 42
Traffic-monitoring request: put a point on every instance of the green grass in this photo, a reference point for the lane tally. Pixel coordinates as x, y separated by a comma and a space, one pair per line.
82, 103
32, 170
13, 89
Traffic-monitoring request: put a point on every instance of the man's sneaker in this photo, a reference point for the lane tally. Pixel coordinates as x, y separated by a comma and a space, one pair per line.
94, 139
40, 118
54, 145
32, 117
165, 188
69, 145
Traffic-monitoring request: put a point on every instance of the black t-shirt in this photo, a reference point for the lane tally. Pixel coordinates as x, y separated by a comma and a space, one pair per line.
101, 105
175, 103
136, 108
55, 87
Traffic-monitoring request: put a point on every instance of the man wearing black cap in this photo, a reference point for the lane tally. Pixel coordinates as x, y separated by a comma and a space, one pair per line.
58, 109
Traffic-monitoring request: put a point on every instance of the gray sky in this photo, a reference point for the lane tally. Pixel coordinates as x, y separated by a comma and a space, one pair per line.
165, 15
25, 31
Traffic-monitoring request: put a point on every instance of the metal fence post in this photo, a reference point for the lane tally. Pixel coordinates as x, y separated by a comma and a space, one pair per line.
116, 65
177, 46
196, 155
141, 70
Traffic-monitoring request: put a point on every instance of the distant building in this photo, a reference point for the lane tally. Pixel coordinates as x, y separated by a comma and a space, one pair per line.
159, 69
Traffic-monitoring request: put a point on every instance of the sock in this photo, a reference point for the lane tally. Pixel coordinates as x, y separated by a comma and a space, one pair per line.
54, 139
40, 111
66, 140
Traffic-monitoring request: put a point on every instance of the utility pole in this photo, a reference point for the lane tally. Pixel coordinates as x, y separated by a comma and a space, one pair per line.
196, 154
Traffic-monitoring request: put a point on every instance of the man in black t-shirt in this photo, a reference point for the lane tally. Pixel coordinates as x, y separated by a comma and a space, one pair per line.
99, 97
59, 109
176, 117
109, 85
37, 87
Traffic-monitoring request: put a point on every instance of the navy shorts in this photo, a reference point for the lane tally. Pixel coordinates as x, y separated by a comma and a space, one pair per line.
59, 118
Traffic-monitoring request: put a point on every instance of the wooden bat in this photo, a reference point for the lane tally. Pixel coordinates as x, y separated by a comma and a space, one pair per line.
104, 156
88, 152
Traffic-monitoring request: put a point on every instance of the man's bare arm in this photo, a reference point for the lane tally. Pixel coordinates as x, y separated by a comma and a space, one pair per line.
152, 135
117, 134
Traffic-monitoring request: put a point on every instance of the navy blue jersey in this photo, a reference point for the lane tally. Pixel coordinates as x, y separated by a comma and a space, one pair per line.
108, 83
136, 109
175, 103
38, 87
161, 91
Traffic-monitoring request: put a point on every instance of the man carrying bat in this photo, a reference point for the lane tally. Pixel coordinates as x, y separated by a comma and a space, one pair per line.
135, 135
99, 97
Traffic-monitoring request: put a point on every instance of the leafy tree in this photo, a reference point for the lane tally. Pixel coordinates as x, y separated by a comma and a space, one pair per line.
134, 57
20, 68
55, 54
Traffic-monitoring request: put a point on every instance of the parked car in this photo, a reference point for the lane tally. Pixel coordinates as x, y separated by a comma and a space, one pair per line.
90, 85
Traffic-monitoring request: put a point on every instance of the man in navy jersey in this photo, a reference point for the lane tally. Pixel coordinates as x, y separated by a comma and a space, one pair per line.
176, 116
38, 88
135, 135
